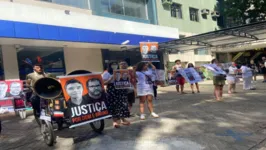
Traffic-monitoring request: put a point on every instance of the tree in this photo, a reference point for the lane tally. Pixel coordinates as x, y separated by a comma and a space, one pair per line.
238, 12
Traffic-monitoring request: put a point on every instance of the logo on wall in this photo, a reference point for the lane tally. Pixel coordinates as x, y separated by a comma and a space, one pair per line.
149, 51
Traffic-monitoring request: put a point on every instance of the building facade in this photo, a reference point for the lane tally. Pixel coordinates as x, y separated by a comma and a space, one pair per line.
68, 35
191, 17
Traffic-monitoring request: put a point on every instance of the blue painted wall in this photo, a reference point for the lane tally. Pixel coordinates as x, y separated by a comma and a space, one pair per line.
152, 12
13, 29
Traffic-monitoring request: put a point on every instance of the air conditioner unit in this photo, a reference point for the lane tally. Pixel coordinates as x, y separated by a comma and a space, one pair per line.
205, 11
167, 2
215, 14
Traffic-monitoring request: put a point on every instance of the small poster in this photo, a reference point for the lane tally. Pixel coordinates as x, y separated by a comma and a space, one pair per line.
160, 77
14, 89
122, 79
190, 75
149, 51
85, 98
6, 105
214, 69
172, 75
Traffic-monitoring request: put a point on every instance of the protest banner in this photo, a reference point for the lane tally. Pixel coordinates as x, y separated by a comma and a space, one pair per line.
214, 69
190, 75
133, 79
122, 79
85, 98
149, 51
160, 77
172, 75
6, 105
13, 89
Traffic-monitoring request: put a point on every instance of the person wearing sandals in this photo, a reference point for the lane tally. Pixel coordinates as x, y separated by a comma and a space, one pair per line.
247, 77
218, 81
231, 78
116, 98
145, 88
190, 65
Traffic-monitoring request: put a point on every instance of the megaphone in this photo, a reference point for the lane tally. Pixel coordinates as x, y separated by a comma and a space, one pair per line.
47, 88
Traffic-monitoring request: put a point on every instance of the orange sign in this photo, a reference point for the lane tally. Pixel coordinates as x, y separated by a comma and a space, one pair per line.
149, 51
122, 79
85, 98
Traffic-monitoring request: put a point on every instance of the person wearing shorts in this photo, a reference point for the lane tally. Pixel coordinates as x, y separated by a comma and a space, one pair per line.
180, 79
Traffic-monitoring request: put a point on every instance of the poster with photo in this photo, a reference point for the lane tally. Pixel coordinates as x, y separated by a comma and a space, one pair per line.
190, 75
172, 75
14, 89
122, 79
6, 105
214, 69
149, 51
160, 77
85, 98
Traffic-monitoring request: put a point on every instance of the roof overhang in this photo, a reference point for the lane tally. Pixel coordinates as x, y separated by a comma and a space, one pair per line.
239, 38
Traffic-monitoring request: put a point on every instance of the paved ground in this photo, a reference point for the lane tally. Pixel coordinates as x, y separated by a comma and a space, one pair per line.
187, 122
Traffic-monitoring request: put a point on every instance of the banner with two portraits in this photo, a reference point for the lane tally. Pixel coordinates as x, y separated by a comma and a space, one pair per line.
149, 51
85, 98
122, 79
191, 75
11, 93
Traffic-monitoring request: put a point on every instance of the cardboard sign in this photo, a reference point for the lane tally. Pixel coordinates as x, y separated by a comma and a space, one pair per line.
85, 98
190, 75
6, 105
172, 75
122, 79
149, 51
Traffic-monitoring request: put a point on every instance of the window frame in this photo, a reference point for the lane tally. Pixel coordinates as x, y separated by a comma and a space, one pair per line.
177, 10
195, 13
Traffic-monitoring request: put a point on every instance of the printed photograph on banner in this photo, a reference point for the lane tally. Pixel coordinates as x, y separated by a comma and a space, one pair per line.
133, 79
172, 78
6, 105
149, 51
85, 98
122, 79
190, 75
160, 77
214, 69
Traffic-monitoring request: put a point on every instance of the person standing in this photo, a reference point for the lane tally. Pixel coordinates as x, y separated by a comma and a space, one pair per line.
255, 69
116, 98
231, 78
190, 65
130, 92
263, 66
145, 88
31, 79
218, 80
180, 79
247, 77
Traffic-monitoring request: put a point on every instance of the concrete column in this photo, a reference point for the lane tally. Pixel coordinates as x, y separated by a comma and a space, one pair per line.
83, 59
10, 62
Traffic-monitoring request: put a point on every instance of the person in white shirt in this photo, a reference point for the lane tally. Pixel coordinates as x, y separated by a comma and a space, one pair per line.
247, 77
145, 88
180, 79
231, 78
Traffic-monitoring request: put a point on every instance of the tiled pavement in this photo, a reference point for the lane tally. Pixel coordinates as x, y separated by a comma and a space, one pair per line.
189, 122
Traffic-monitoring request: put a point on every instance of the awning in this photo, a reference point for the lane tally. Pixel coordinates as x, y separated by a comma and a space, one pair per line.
220, 40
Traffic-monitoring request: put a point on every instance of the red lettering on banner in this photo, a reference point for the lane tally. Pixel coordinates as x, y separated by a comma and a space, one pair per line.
103, 113
86, 117
76, 119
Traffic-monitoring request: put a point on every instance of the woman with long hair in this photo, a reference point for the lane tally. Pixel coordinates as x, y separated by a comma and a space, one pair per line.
218, 81
116, 98
231, 78
145, 88
190, 65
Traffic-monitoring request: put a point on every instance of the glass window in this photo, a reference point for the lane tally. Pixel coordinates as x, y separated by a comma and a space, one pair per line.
201, 51
52, 60
176, 11
133, 8
194, 14
84, 4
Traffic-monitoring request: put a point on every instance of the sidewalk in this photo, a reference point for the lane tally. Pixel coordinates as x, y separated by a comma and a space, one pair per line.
189, 122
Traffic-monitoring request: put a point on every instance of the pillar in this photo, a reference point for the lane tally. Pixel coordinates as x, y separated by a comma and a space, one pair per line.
10, 62
83, 59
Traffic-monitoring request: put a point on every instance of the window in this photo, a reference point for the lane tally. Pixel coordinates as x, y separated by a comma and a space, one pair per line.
201, 51
194, 14
133, 8
84, 4
176, 11
52, 60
